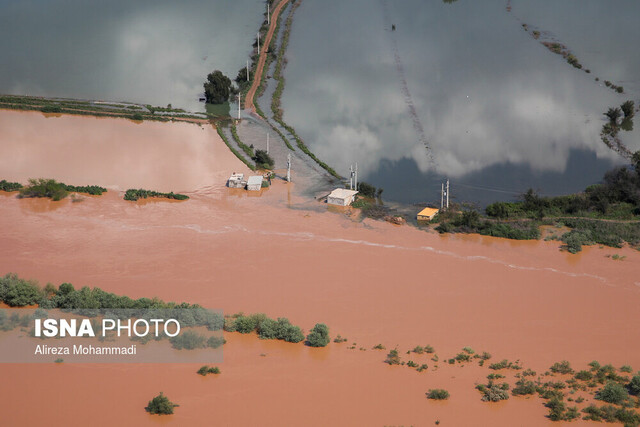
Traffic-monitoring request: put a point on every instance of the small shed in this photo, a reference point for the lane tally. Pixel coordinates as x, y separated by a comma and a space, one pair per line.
341, 197
427, 214
254, 183
236, 180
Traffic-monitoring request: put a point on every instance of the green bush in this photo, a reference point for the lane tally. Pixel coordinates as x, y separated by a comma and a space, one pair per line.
563, 367
524, 387
133, 195
160, 405
393, 358
16, 292
188, 340
263, 160
437, 394
205, 370
280, 329
215, 342
634, 385
612, 392
9, 186
584, 376
319, 336
494, 392
44, 188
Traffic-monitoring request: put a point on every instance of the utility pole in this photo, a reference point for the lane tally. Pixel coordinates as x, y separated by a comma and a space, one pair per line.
267, 12
238, 106
350, 177
267, 142
441, 195
447, 193
247, 70
356, 177
288, 167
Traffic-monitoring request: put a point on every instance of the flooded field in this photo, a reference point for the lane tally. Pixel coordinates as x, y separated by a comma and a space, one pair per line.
114, 153
155, 52
397, 286
498, 111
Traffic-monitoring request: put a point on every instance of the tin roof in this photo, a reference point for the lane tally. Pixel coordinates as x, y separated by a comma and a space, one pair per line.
342, 193
428, 212
254, 180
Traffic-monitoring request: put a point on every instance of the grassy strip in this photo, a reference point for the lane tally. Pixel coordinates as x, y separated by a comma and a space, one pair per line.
277, 95
133, 195
247, 150
9, 186
233, 150
29, 103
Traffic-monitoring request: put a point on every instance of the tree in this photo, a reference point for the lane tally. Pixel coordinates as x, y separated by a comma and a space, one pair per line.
613, 114
367, 189
217, 88
160, 405
635, 160
319, 336
628, 109
263, 159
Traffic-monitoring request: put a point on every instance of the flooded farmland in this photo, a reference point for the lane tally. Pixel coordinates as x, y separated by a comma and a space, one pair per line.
459, 90
149, 52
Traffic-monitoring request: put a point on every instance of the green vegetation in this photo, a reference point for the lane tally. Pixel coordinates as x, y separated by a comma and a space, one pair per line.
379, 347
319, 336
55, 190
160, 405
634, 385
393, 358
611, 414
9, 186
612, 392
504, 364
134, 195
247, 150
494, 392
524, 387
78, 107
263, 160
437, 394
188, 340
217, 88
267, 328
233, 150
563, 367
606, 213
59, 360
17, 292
205, 370
215, 342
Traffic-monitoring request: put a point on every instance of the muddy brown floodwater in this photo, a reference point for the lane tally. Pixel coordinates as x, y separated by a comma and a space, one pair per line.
289, 257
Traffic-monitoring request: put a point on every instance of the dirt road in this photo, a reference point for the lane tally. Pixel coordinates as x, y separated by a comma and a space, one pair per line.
248, 103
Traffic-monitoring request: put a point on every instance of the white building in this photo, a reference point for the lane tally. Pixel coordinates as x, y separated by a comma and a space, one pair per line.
341, 197
236, 180
254, 183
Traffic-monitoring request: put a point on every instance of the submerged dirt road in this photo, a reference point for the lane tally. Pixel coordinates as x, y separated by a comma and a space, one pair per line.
277, 253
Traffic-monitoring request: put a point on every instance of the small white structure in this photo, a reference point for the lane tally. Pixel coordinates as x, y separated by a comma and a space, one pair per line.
341, 197
236, 180
254, 183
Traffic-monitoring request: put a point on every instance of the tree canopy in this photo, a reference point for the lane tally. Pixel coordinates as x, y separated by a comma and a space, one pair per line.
217, 88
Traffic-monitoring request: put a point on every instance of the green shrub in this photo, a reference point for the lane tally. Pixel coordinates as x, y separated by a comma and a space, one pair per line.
318, 336
584, 376
188, 340
263, 160
280, 329
133, 195
626, 369
494, 392
44, 188
160, 405
524, 387
16, 292
563, 367
215, 342
612, 392
205, 370
9, 186
393, 358
634, 385
437, 394
422, 367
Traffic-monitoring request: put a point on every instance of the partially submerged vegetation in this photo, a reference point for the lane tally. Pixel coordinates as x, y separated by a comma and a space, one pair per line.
133, 195
160, 405
266, 328
606, 213
50, 188
232, 148
9, 186
206, 370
